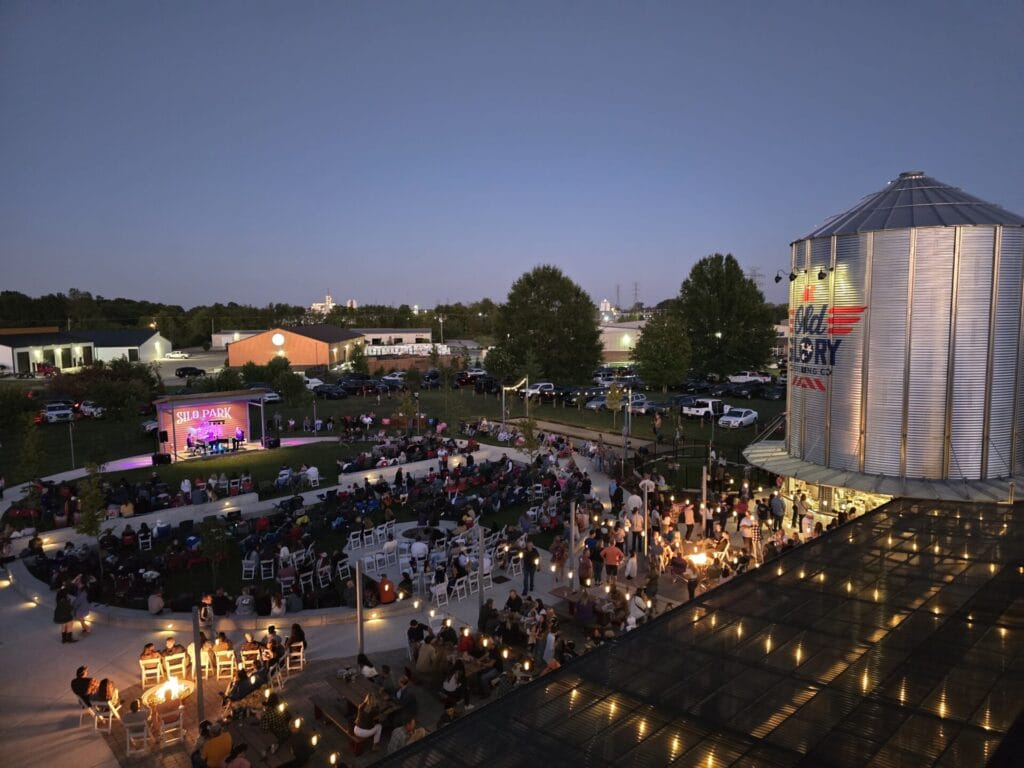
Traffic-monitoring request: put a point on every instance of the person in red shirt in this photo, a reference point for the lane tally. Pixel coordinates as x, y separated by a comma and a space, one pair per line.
612, 557
386, 590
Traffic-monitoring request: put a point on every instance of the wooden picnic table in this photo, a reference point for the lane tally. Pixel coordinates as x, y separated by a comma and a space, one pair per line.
355, 690
259, 741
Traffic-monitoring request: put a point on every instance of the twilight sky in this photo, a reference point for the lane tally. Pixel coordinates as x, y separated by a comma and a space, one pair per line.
426, 152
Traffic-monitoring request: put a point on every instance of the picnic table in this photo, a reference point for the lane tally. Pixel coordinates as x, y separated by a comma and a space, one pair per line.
355, 689
259, 741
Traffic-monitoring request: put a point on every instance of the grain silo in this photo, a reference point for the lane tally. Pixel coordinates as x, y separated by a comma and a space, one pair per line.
906, 347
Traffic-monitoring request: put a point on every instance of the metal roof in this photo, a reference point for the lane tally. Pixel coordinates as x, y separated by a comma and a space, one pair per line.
916, 200
22, 340
325, 333
772, 456
894, 640
118, 337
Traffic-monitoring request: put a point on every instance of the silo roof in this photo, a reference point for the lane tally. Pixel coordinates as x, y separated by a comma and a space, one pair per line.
916, 200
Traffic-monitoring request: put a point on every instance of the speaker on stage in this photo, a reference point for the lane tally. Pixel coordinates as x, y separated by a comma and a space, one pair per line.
163, 435
161, 458
272, 442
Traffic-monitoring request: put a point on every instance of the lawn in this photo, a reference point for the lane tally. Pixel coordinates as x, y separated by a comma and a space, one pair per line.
106, 439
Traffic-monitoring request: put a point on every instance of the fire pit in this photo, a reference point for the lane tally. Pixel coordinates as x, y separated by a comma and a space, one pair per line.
178, 690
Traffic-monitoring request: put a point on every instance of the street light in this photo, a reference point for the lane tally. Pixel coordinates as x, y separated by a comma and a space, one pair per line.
523, 382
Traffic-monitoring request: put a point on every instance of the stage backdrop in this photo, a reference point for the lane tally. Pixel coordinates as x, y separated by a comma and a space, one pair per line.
203, 419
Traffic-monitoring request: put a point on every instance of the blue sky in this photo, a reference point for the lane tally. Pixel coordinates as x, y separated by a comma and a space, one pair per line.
427, 152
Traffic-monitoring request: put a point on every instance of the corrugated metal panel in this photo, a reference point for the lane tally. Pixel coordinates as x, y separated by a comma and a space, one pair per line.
886, 352
971, 334
929, 351
1013, 248
1005, 357
815, 397
795, 394
848, 293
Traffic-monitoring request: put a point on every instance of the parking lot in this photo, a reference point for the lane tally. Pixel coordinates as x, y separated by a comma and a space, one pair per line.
208, 361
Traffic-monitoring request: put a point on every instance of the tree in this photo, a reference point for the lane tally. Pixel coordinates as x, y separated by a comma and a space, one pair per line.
730, 326
549, 316
92, 508
31, 453
613, 401
530, 444
358, 359
662, 353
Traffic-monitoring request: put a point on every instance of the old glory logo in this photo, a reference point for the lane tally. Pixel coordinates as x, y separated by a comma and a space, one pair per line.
815, 339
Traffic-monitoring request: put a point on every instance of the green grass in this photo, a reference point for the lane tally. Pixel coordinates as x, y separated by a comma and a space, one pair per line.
106, 439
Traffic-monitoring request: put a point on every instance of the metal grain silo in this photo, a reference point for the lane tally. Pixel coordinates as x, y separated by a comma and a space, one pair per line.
906, 343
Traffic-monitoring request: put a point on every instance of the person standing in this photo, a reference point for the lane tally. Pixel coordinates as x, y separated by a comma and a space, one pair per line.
799, 510
612, 557
64, 614
778, 510
688, 518
530, 558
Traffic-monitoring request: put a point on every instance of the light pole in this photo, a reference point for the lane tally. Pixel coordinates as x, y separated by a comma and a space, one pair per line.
71, 439
440, 319
523, 382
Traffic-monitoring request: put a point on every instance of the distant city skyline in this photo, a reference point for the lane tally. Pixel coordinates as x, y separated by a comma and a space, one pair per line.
420, 153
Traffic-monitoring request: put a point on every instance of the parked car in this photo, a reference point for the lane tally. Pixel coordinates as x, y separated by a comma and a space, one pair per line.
270, 396
682, 401
188, 372
330, 391
312, 384
637, 403
747, 377
696, 386
705, 407
431, 379
177, 354
90, 408
557, 394
394, 376
597, 404
744, 389
534, 390
580, 395
150, 426
474, 372
487, 385
47, 370
774, 392
738, 417
651, 407
55, 412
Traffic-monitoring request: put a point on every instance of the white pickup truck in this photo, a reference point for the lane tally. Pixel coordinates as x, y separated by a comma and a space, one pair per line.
751, 377
705, 407
534, 390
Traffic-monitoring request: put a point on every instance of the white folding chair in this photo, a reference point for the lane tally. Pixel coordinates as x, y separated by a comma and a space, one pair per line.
266, 570
299, 558
275, 678
369, 563
485, 581
355, 540
85, 711
461, 592
369, 538
306, 581
324, 577
202, 665
381, 532
226, 665
380, 561
474, 582
145, 542
286, 582
405, 564
439, 592
176, 665
248, 570
105, 714
249, 659
172, 727
516, 566
296, 658
152, 671
134, 735
343, 570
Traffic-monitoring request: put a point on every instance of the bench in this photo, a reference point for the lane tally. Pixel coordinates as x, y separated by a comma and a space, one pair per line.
336, 713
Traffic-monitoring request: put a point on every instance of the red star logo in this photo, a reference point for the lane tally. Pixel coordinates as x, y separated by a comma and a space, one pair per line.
807, 296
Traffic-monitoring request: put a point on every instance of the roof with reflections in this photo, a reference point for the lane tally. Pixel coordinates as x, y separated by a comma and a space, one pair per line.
894, 640
916, 200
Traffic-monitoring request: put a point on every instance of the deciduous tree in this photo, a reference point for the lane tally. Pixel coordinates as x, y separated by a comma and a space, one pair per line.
662, 353
729, 324
551, 318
